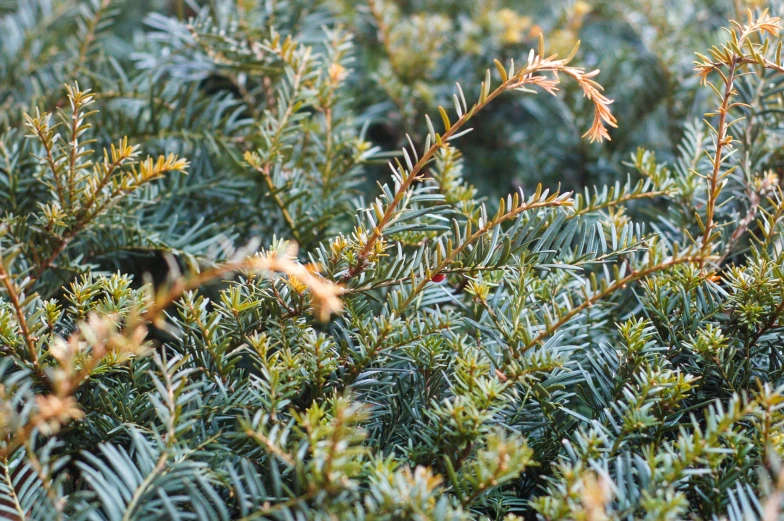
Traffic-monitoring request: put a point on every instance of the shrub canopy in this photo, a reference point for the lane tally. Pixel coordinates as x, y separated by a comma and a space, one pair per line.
209, 311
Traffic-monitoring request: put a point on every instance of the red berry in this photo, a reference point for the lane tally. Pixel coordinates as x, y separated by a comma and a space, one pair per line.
438, 277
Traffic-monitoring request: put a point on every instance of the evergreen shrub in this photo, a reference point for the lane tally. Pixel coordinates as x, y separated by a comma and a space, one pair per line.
208, 312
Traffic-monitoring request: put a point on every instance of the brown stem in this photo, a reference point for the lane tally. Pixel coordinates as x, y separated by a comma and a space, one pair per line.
619, 284
553, 202
718, 159
10, 288
50, 161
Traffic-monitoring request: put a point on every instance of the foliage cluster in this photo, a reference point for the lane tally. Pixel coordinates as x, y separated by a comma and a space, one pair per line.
205, 313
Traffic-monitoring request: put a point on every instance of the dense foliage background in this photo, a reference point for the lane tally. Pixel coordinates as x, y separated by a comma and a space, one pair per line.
348, 259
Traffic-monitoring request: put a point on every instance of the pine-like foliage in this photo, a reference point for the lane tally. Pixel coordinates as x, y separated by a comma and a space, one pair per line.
207, 313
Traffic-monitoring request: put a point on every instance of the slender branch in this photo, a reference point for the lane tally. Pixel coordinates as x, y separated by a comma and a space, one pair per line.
554, 201
76, 116
528, 75
123, 154
154, 171
263, 166
160, 466
625, 199
182, 285
89, 38
383, 36
10, 288
731, 56
13, 494
718, 159
275, 193
619, 284
49, 158
275, 450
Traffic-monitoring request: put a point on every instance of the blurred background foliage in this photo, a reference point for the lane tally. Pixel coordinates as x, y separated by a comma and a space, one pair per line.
408, 56
415, 51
